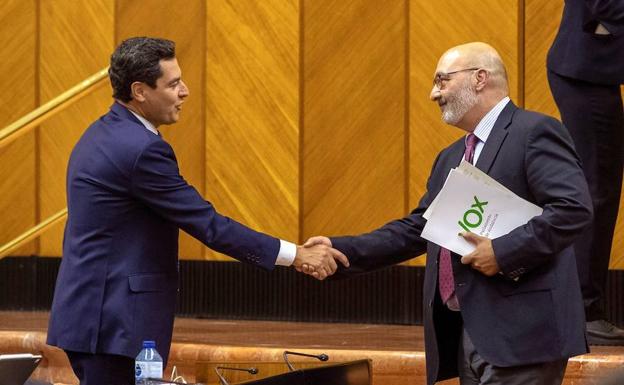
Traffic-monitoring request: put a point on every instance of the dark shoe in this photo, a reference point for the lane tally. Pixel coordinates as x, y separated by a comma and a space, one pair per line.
602, 332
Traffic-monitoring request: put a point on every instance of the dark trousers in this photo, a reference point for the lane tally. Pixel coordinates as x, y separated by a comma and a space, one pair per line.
594, 116
102, 369
473, 370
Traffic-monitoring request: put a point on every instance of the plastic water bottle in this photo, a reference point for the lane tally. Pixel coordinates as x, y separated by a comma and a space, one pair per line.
148, 364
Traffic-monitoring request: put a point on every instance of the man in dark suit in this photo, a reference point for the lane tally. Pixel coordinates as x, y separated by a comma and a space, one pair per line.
510, 312
585, 70
118, 280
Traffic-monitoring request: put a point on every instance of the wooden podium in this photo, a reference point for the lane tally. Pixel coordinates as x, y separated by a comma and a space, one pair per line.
272, 373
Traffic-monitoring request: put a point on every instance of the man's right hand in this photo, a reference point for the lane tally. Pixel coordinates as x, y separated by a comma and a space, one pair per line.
318, 260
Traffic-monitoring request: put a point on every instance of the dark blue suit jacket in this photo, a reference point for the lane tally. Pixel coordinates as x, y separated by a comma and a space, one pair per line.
579, 53
539, 317
118, 280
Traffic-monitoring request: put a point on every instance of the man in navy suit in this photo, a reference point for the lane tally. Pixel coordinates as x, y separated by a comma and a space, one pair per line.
118, 280
510, 312
585, 70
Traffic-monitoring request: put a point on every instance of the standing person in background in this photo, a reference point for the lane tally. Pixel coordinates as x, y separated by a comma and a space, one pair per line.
118, 281
585, 70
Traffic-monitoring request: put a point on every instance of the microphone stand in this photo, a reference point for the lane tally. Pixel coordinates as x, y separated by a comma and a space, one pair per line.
222, 379
320, 357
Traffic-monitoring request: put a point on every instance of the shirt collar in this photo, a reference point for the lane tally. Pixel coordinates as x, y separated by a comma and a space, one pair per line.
484, 128
146, 123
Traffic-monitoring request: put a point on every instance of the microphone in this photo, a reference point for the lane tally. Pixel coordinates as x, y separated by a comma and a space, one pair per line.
320, 357
151, 380
222, 379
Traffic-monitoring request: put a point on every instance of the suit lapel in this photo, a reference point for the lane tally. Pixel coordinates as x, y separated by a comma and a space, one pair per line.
496, 138
458, 155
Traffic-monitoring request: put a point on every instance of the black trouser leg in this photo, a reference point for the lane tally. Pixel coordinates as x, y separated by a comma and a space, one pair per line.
594, 117
102, 369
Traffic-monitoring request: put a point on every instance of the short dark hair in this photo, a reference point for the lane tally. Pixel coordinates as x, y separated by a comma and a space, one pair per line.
138, 60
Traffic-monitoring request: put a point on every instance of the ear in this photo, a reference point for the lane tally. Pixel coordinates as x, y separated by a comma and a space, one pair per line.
137, 90
482, 77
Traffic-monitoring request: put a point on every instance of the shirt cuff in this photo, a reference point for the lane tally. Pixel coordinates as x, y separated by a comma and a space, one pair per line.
287, 253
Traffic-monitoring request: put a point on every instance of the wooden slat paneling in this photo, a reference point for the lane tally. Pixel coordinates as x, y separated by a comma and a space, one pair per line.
252, 112
353, 115
436, 26
183, 22
617, 252
17, 73
542, 23
76, 41
242, 144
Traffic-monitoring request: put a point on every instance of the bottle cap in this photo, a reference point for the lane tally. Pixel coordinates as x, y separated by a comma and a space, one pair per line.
149, 344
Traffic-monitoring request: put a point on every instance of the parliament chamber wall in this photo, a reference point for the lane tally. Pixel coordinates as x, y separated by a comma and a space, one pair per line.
305, 117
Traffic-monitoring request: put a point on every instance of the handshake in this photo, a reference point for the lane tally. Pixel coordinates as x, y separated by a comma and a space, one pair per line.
317, 258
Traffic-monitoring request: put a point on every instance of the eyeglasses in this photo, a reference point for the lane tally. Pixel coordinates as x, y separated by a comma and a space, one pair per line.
442, 77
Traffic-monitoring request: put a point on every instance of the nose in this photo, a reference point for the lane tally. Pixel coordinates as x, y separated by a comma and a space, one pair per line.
184, 91
435, 93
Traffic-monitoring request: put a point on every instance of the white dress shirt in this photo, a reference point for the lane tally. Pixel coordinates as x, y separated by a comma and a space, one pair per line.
484, 128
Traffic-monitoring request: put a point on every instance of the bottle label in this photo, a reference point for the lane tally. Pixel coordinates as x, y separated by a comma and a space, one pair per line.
155, 370
145, 369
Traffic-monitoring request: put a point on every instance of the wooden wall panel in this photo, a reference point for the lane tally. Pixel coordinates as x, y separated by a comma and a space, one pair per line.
76, 41
354, 88
436, 26
331, 151
252, 113
542, 23
183, 22
17, 73
617, 252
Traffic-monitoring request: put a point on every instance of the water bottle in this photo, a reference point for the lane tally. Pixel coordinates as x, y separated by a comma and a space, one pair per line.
148, 364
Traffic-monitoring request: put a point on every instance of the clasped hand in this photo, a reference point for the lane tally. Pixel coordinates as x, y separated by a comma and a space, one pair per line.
482, 258
318, 259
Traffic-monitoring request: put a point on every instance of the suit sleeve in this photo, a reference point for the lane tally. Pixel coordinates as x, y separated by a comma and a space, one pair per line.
558, 185
157, 182
610, 13
392, 243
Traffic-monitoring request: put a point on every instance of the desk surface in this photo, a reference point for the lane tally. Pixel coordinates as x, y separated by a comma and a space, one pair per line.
264, 333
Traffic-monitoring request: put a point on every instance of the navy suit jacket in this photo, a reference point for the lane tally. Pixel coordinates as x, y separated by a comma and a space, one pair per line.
118, 279
539, 317
579, 53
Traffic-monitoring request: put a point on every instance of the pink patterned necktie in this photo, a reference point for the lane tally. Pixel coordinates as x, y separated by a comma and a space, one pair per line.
445, 274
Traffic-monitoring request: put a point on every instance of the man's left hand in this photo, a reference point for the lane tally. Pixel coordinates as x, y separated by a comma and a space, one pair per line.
482, 258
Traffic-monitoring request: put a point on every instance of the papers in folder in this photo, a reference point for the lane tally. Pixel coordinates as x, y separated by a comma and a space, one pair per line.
470, 200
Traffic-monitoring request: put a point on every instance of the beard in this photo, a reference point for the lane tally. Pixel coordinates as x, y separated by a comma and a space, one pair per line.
458, 104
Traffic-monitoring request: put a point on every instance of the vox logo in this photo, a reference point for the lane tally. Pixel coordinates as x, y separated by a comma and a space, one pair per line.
473, 216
